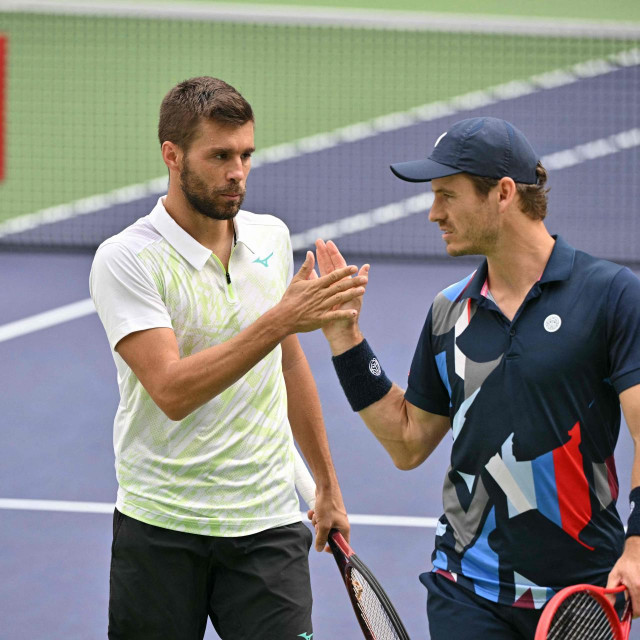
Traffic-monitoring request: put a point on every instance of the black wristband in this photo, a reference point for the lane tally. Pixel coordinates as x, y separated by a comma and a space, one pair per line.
361, 376
633, 524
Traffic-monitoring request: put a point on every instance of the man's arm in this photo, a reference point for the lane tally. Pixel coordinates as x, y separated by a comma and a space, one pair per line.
408, 433
627, 570
181, 385
305, 417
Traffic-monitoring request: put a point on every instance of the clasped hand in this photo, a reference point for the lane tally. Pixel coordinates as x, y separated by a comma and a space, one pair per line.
313, 301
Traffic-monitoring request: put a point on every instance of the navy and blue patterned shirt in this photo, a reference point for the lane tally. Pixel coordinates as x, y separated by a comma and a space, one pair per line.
530, 494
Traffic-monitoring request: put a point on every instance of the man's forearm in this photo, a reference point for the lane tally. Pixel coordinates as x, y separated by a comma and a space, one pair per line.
305, 414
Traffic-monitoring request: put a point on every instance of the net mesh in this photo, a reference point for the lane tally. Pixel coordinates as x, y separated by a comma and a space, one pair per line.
335, 105
581, 617
373, 612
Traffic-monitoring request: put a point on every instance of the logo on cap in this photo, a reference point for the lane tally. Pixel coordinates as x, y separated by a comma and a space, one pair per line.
440, 138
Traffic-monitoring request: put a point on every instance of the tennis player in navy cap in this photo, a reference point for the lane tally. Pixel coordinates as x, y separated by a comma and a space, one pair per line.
525, 363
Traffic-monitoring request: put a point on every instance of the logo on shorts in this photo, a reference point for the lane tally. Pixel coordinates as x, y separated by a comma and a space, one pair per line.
306, 636
552, 323
374, 367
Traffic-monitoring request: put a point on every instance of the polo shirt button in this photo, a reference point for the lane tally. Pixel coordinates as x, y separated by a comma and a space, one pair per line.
512, 332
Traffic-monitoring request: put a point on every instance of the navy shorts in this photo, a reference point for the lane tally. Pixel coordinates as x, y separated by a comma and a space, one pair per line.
457, 613
164, 584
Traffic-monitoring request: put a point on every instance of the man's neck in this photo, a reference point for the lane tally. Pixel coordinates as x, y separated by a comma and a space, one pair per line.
516, 265
216, 235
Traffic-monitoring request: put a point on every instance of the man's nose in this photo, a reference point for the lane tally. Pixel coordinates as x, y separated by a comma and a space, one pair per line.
235, 170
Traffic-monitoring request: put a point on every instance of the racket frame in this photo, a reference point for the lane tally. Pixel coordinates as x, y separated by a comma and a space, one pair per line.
345, 557
620, 627
347, 560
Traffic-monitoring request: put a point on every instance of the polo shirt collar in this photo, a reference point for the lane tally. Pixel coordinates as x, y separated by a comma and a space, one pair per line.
245, 232
185, 244
559, 267
560, 262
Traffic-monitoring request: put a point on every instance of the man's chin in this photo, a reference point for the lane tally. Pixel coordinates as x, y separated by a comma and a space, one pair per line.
456, 252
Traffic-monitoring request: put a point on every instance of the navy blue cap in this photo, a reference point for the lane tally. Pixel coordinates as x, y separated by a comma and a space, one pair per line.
487, 147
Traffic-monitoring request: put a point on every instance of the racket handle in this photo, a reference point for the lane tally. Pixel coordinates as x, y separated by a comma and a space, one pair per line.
304, 481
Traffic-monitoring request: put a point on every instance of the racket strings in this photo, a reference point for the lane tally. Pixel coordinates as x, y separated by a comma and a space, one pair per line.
581, 617
372, 609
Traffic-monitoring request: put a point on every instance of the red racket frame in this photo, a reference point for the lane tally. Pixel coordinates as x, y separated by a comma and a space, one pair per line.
621, 628
346, 559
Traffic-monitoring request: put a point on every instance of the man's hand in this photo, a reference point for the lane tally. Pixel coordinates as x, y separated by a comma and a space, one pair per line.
342, 333
329, 514
311, 302
627, 572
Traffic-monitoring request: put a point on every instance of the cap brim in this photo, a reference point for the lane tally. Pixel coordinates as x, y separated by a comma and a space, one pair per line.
422, 170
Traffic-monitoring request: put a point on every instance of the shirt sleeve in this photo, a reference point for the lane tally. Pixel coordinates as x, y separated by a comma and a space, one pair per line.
290, 258
623, 330
124, 293
426, 389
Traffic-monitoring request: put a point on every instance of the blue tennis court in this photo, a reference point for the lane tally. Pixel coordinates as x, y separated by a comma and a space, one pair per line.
59, 391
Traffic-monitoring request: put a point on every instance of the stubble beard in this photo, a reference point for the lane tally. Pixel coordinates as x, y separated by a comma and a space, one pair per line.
208, 202
479, 241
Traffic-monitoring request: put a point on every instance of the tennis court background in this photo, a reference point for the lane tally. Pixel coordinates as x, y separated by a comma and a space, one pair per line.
334, 106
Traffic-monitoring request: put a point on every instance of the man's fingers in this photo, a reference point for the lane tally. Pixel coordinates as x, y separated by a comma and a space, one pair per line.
340, 274
335, 255
307, 266
322, 534
344, 296
349, 283
324, 261
338, 315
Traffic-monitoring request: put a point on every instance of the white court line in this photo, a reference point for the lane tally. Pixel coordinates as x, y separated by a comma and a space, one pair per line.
46, 319
69, 506
343, 135
351, 224
319, 16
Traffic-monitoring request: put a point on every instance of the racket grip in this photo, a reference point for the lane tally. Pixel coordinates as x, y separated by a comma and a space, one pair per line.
304, 481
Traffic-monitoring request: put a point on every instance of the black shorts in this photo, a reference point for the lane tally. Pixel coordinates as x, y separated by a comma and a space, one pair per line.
457, 613
165, 583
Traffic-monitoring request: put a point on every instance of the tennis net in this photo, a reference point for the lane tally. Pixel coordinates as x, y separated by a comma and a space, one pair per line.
337, 99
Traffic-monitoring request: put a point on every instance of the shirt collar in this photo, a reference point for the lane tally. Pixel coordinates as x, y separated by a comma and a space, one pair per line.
559, 267
185, 244
560, 264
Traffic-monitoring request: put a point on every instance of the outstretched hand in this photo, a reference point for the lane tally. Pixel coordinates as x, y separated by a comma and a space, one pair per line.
311, 302
343, 332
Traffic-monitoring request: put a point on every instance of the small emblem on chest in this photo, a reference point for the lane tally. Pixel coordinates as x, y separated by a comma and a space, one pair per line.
552, 323
264, 261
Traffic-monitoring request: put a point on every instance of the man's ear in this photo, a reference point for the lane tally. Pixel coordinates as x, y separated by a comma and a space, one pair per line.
507, 192
172, 155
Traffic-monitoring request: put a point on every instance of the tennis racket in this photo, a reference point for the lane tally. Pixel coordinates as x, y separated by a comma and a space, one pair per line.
583, 612
377, 617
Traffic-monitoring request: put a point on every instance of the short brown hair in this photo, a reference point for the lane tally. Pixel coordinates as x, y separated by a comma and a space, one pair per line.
191, 100
533, 197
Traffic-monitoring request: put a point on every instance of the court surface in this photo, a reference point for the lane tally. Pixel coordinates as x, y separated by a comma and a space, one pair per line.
59, 391
59, 397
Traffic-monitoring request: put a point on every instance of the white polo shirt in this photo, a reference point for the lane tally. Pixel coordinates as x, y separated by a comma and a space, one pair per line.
227, 468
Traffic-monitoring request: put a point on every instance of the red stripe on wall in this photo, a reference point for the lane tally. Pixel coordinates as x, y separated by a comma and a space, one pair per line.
572, 486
